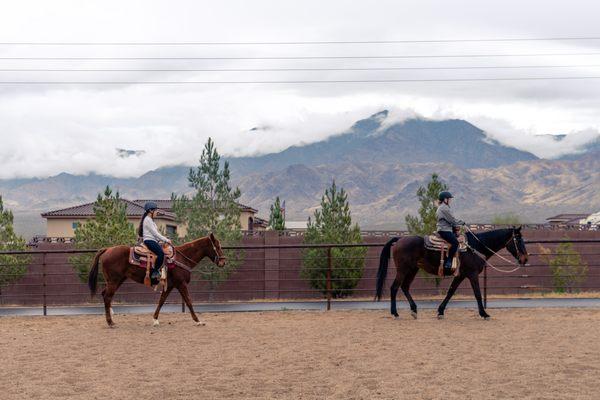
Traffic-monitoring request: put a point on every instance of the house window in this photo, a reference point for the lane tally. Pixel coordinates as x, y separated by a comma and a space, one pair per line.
171, 230
250, 223
75, 225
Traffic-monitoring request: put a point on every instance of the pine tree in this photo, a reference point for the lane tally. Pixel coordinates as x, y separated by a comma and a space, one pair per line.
276, 217
12, 267
425, 223
333, 224
109, 227
568, 268
212, 208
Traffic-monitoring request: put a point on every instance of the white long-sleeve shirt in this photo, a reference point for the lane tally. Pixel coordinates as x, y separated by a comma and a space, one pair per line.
151, 232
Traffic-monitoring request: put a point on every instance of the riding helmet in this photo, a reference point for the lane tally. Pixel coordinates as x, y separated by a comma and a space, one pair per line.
150, 206
445, 195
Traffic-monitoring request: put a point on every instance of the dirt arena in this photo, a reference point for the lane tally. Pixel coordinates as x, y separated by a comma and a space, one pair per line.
524, 354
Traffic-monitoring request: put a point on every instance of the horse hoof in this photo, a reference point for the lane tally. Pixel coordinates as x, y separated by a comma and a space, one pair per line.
413, 314
155, 323
440, 316
112, 326
199, 323
487, 318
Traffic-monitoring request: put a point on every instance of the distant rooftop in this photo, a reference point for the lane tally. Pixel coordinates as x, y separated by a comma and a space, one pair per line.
567, 218
167, 205
296, 225
133, 209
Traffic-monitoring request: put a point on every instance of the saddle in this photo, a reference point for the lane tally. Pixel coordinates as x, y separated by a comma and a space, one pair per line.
142, 256
434, 242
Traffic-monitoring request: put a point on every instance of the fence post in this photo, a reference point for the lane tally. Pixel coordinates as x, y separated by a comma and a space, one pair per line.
328, 278
44, 283
485, 286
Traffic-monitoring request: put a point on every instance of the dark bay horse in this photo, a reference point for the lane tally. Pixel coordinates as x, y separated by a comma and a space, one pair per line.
409, 255
116, 269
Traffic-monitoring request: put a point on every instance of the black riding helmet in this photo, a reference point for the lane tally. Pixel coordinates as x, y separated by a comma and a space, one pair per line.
149, 206
445, 195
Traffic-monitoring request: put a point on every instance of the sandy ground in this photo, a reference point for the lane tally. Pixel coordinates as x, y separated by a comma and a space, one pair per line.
524, 354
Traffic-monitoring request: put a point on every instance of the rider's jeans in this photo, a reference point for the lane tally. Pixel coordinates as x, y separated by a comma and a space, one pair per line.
450, 237
156, 249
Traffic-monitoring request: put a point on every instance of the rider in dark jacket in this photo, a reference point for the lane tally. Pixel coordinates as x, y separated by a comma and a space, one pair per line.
446, 223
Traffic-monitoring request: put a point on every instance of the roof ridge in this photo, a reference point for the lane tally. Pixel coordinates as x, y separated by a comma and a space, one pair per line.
68, 208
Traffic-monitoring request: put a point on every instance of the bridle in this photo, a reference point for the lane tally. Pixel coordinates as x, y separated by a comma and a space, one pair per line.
513, 237
215, 259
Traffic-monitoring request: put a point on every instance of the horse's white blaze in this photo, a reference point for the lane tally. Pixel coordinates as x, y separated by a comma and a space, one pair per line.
155, 322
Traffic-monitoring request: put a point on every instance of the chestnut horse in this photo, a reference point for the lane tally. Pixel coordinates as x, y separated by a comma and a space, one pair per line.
116, 268
409, 255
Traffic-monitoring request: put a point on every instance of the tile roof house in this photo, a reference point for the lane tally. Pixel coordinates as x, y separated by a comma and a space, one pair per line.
62, 223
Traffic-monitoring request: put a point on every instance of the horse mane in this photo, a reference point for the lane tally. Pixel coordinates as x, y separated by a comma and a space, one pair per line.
193, 243
493, 234
489, 239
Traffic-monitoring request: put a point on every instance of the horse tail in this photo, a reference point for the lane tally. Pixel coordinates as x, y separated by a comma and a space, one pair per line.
93, 275
383, 266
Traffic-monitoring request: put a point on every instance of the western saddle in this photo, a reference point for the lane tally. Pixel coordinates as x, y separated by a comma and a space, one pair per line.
435, 242
139, 254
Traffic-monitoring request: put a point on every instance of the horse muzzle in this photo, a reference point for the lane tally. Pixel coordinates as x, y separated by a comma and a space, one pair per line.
523, 258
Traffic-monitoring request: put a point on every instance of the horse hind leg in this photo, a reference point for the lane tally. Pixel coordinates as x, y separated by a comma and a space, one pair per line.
394, 292
107, 294
405, 286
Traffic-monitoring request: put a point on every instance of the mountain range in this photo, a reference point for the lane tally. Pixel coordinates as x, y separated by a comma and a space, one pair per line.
380, 163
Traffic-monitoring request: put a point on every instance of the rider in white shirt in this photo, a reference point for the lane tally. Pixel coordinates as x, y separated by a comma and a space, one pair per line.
149, 233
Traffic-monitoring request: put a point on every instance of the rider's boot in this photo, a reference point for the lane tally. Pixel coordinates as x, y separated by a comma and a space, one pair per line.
155, 273
448, 267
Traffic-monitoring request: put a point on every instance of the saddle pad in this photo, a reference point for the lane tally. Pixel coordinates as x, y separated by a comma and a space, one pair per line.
434, 242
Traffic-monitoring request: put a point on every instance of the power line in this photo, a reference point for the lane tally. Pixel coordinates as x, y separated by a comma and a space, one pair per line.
300, 57
302, 69
290, 82
325, 42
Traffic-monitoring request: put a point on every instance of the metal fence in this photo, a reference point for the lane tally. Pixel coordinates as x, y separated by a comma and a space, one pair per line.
274, 272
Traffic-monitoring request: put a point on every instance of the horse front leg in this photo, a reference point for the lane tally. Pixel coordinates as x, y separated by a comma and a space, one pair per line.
163, 298
477, 291
188, 301
451, 290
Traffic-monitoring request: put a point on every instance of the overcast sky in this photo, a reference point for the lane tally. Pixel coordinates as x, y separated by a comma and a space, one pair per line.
76, 128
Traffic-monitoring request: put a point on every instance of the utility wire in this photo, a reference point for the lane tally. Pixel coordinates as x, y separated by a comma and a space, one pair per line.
304, 57
326, 42
290, 82
300, 69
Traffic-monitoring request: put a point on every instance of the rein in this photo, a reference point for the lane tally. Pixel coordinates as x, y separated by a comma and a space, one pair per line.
189, 269
517, 266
